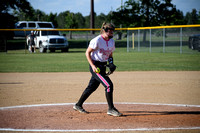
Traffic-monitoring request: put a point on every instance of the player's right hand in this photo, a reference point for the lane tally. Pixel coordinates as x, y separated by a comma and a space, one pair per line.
94, 68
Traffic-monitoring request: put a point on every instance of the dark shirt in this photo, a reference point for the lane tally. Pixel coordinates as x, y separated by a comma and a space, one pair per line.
32, 39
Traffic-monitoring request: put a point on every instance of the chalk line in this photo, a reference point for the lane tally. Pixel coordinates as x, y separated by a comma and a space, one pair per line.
61, 104
98, 130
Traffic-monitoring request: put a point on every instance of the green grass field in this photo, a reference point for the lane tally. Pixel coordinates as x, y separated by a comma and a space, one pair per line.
75, 61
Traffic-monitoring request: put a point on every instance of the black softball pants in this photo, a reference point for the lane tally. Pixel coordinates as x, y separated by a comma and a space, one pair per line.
95, 81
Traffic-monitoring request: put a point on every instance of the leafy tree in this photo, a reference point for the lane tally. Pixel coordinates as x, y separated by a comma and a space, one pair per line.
6, 9
70, 22
52, 18
37, 15
87, 21
199, 18
128, 15
194, 16
188, 18
147, 13
100, 19
80, 20
61, 19
178, 18
40, 15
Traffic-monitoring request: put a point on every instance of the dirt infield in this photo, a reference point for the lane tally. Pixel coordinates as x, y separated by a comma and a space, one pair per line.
129, 87
135, 116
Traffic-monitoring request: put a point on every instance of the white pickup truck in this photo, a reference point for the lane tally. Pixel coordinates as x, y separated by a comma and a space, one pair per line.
49, 40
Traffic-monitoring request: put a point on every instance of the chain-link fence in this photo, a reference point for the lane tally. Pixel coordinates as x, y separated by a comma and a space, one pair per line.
46, 40
164, 39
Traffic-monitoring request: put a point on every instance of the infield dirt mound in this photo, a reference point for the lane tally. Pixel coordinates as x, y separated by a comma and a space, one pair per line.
135, 116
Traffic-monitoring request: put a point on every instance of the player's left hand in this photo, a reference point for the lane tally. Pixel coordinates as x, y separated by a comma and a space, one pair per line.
112, 68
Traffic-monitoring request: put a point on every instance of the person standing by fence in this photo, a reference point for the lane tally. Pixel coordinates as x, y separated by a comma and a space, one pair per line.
32, 43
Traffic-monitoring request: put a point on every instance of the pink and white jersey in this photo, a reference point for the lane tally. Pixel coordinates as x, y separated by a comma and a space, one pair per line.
102, 48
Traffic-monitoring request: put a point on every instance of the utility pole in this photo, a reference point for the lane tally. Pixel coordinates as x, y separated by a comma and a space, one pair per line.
92, 16
121, 4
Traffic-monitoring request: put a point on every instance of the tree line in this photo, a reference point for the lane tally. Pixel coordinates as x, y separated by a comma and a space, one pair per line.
134, 13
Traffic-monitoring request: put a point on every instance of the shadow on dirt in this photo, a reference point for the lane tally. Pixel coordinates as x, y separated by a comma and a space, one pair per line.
142, 113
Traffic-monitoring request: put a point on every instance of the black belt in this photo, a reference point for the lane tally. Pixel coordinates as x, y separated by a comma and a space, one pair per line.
99, 63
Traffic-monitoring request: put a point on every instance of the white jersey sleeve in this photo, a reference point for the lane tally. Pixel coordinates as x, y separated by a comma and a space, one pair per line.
93, 44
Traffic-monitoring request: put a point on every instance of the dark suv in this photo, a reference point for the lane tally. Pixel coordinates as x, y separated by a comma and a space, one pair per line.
194, 42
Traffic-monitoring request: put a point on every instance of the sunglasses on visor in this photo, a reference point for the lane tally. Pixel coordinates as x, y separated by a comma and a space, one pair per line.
106, 29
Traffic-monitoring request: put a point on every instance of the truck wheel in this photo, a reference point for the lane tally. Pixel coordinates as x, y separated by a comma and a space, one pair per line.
42, 49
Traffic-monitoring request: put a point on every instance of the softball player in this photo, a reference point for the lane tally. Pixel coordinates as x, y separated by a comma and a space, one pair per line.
98, 53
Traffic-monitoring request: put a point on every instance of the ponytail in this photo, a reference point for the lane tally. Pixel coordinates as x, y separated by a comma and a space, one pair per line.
102, 27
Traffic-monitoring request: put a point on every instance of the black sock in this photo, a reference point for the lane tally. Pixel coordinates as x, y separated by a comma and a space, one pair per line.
109, 97
82, 99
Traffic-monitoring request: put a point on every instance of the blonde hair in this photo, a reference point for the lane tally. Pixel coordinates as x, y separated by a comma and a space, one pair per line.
106, 25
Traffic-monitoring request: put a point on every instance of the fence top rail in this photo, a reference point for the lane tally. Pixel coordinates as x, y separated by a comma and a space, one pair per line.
164, 27
98, 29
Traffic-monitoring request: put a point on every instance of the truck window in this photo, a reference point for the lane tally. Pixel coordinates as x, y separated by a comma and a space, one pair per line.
22, 25
31, 25
45, 25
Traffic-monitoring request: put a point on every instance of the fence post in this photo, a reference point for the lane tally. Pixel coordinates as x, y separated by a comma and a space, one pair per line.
150, 40
138, 40
163, 40
181, 44
87, 39
133, 41
25, 43
127, 40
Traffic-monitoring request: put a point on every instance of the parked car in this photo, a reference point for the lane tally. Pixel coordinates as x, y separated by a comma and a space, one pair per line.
194, 42
51, 40
30, 25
